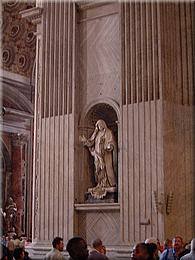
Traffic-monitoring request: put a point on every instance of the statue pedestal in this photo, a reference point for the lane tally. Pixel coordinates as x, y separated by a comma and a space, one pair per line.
110, 197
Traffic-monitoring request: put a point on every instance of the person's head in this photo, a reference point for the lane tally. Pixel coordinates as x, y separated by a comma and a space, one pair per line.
140, 252
58, 243
167, 243
77, 248
97, 244
19, 253
151, 240
153, 246
101, 124
177, 243
152, 250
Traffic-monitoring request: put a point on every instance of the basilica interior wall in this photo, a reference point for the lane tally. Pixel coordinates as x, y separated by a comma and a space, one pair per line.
130, 64
112, 62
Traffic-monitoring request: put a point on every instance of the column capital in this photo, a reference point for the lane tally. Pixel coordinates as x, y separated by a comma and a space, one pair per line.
34, 14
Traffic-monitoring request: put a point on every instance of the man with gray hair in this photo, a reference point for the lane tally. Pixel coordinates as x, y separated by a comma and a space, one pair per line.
99, 251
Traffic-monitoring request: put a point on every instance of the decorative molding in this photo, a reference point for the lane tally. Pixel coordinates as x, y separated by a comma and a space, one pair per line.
97, 206
11, 6
34, 14
8, 56
23, 61
16, 112
15, 31
30, 38
97, 17
86, 5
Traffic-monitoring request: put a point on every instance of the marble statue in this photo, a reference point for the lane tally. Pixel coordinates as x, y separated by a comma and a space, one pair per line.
101, 145
10, 215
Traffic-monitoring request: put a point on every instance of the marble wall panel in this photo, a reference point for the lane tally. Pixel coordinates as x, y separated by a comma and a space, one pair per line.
99, 54
100, 224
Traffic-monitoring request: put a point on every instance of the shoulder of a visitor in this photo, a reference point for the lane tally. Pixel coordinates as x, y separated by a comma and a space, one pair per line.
50, 252
165, 253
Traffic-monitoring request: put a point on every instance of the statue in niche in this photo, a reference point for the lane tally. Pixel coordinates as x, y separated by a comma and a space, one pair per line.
10, 215
101, 145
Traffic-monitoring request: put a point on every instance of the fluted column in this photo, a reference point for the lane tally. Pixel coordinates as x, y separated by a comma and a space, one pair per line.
54, 124
177, 30
157, 111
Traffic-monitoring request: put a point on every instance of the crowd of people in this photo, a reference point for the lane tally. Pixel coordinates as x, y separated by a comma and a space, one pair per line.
151, 249
13, 247
77, 248
174, 249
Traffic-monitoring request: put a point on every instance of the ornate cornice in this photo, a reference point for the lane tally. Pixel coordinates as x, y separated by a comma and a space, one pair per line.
85, 5
33, 14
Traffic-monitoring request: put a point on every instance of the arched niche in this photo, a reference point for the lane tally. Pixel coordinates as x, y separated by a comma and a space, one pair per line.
94, 112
